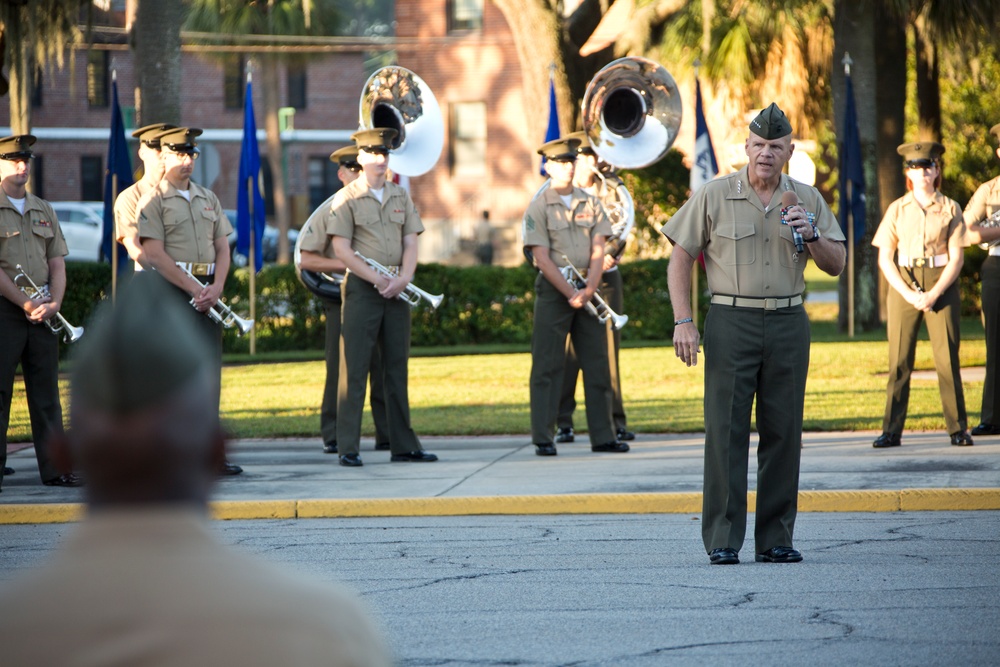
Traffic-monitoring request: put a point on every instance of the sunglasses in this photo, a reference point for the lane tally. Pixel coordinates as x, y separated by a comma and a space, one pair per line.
920, 164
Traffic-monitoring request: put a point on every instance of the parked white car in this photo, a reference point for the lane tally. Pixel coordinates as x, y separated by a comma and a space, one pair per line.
82, 224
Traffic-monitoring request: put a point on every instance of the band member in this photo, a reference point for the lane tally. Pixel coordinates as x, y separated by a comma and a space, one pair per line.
376, 218
316, 254
566, 221
603, 187
756, 333
182, 231
985, 205
31, 242
126, 225
920, 245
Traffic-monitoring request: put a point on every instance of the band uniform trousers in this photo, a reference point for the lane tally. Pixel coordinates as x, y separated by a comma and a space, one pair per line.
748, 352
611, 292
554, 320
37, 350
328, 410
943, 328
369, 320
991, 320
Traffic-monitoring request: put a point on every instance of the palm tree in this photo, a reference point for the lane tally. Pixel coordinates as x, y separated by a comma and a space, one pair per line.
236, 19
156, 42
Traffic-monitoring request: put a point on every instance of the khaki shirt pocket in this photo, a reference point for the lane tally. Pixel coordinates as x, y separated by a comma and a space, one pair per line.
8, 231
556, 223
397, 217
737, 243
44, 231
585, 218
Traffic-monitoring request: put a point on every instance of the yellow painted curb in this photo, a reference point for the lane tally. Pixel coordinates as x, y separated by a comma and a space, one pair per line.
230, 510
849, 501
916, 500
39, 513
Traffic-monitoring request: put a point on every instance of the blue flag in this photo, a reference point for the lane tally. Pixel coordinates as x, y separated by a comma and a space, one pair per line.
119, 165
552, 132
704, 167
852, 173
249, 171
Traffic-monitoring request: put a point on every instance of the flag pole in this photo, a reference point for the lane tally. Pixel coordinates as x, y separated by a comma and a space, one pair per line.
695, 301
850, 232
114, 196
252, 259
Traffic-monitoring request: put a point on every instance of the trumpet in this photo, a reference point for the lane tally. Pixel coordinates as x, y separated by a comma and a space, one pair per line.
992, 221
597, 306
71, 334
411, 294
222, 313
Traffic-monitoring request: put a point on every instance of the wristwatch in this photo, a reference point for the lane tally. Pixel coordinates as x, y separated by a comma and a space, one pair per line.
815, 236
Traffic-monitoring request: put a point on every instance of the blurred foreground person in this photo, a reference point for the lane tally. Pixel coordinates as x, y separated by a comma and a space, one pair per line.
142, 580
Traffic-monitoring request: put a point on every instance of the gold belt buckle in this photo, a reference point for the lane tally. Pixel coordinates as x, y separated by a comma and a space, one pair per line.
199, 269
919, 262
770, 304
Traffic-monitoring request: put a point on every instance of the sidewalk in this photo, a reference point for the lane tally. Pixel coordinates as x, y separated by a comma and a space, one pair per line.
841, 472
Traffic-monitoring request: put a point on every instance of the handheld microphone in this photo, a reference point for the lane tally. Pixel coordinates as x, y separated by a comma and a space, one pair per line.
788, 200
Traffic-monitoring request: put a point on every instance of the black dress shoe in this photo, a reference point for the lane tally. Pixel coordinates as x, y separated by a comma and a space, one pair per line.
419, 456
565, 434
383, 446
230, 469
545, 449
69, 479
986, 429
888, 440
961, 439
723, 556
779, 555
330, 447
351, 460
8, 471
624, 434
613, 446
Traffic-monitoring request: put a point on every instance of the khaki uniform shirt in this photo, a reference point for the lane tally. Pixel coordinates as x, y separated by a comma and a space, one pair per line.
314, 236
984, 203
376, 230
154, 587
915, 232
188, 229
30, 240
126, 209
565, 231
748, 252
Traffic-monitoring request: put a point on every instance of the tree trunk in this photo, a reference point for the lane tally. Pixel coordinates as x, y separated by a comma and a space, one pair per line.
854, 33
275, 151
928, 88
156, 44
20, 90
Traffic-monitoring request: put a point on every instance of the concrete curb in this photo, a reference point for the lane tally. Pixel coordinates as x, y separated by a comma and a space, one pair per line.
903, 500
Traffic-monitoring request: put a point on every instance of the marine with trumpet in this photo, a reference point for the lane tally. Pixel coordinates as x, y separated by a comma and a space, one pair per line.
184, 234
32, 284
982, 220
565, 227
319, 270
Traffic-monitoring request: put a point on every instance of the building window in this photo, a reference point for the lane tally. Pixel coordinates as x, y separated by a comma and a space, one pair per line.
297, 85
465, 15
323, 180
37, 177
97, 78
36, 89
234, 81
468, 139
91, 178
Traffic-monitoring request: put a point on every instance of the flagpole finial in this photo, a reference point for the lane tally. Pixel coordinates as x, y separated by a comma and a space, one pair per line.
847, 62
114, 71
249, 69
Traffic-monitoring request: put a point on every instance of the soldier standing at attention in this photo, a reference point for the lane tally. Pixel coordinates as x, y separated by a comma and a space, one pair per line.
126, 224
376, 218
564, 220
183, 229
756, 333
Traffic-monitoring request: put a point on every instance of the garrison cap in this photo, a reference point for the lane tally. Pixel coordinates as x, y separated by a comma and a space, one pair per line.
147, 134
179, 139
921, 153
584, 140
995, 131
376, 140
560, 150
346, 157
140, 351
17, 147
771, 123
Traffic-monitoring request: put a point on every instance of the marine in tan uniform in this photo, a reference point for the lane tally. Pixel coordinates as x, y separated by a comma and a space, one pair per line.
756, 334
316, 254
126, 222
920, 245
604, 188
566, 221
985, 206
30, 237
182, 224
376, 218
143, 579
